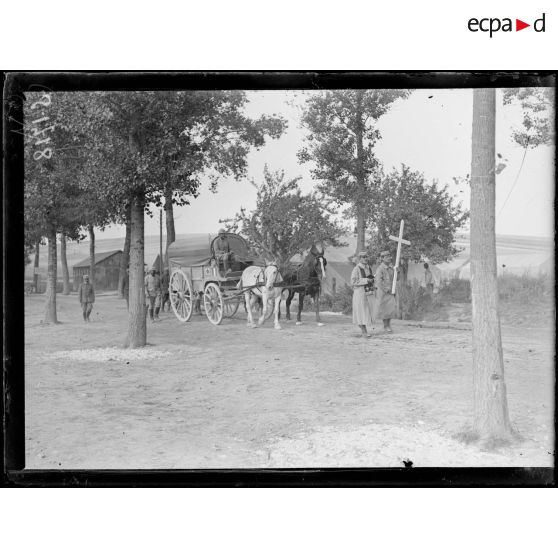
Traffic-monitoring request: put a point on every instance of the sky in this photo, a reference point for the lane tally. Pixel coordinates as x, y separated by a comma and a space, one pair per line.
430, 132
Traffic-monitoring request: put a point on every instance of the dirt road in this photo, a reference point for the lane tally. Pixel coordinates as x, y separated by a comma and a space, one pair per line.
201, 396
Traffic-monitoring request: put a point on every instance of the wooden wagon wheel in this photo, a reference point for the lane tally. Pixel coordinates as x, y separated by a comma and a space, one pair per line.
213, 303
180, 294
231, 306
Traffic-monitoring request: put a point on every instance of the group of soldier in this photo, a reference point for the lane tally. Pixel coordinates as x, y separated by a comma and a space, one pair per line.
156, 294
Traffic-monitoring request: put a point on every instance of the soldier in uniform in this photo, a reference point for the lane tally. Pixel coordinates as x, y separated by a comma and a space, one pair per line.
223, 252
386, 301
86, 297
153, 294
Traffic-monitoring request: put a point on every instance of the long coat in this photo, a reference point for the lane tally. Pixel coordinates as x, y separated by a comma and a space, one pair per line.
386, 301
86, 293
362, 311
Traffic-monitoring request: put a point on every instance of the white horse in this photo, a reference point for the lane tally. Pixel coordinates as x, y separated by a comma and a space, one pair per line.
261, 283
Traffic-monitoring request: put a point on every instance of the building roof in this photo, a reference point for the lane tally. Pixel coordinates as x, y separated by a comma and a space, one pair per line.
100, 257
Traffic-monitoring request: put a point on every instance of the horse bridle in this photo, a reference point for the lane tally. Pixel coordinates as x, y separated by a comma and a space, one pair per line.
262, 273
317, 258
268, 266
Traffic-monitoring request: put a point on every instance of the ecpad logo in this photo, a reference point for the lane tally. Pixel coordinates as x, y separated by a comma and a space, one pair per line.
492, 25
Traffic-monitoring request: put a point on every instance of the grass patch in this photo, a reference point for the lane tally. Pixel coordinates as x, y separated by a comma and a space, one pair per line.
417, 303
525, 289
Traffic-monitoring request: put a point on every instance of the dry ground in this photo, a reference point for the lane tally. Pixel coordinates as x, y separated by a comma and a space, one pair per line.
201, 396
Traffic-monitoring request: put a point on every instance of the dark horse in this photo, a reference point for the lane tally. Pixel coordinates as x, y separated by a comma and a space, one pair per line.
307, 277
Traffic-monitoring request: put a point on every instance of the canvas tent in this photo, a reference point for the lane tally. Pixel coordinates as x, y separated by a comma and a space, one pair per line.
516, 255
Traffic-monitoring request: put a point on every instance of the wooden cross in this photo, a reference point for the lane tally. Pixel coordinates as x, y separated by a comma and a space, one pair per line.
399, 239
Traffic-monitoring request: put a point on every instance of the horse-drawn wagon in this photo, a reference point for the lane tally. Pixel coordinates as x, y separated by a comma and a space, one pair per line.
197, 275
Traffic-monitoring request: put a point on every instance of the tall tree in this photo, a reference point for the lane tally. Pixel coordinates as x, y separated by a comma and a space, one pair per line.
491, 420
91, 232
33, 237
286, 222
343, 131
125, 260
49, 195
64, 261
35, 267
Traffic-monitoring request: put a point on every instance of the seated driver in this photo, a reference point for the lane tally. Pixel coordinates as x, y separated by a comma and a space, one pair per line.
223, 252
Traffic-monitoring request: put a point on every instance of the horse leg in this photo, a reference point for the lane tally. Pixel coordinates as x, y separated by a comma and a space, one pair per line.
317, 303
288, 303
300, 306
261, 321
277, 325
248, 304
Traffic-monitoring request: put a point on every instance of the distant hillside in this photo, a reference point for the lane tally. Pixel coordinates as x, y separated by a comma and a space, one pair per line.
515, 253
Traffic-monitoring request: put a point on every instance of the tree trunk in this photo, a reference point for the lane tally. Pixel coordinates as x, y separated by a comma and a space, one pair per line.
361, 231
50, 305
169, 217
137, 332
360, 178
125, 255
36, 266
490, 408
63, 259
91, 254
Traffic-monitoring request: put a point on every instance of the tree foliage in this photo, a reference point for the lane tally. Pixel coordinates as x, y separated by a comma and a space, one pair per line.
180, 138
132, 150
430, 213
342, 135
538, 106
285, 221
51, 191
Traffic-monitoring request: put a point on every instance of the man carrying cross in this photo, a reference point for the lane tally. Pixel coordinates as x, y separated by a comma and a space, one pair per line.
385, 280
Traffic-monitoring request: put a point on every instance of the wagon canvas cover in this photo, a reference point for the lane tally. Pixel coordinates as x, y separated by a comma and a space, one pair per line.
195, 250
190, 251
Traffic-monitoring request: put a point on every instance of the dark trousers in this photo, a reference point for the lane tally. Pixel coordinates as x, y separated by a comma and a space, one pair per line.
86, 307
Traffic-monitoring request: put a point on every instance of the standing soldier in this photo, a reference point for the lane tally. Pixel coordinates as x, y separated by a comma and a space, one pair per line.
86, 297
386, 300
153, 294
